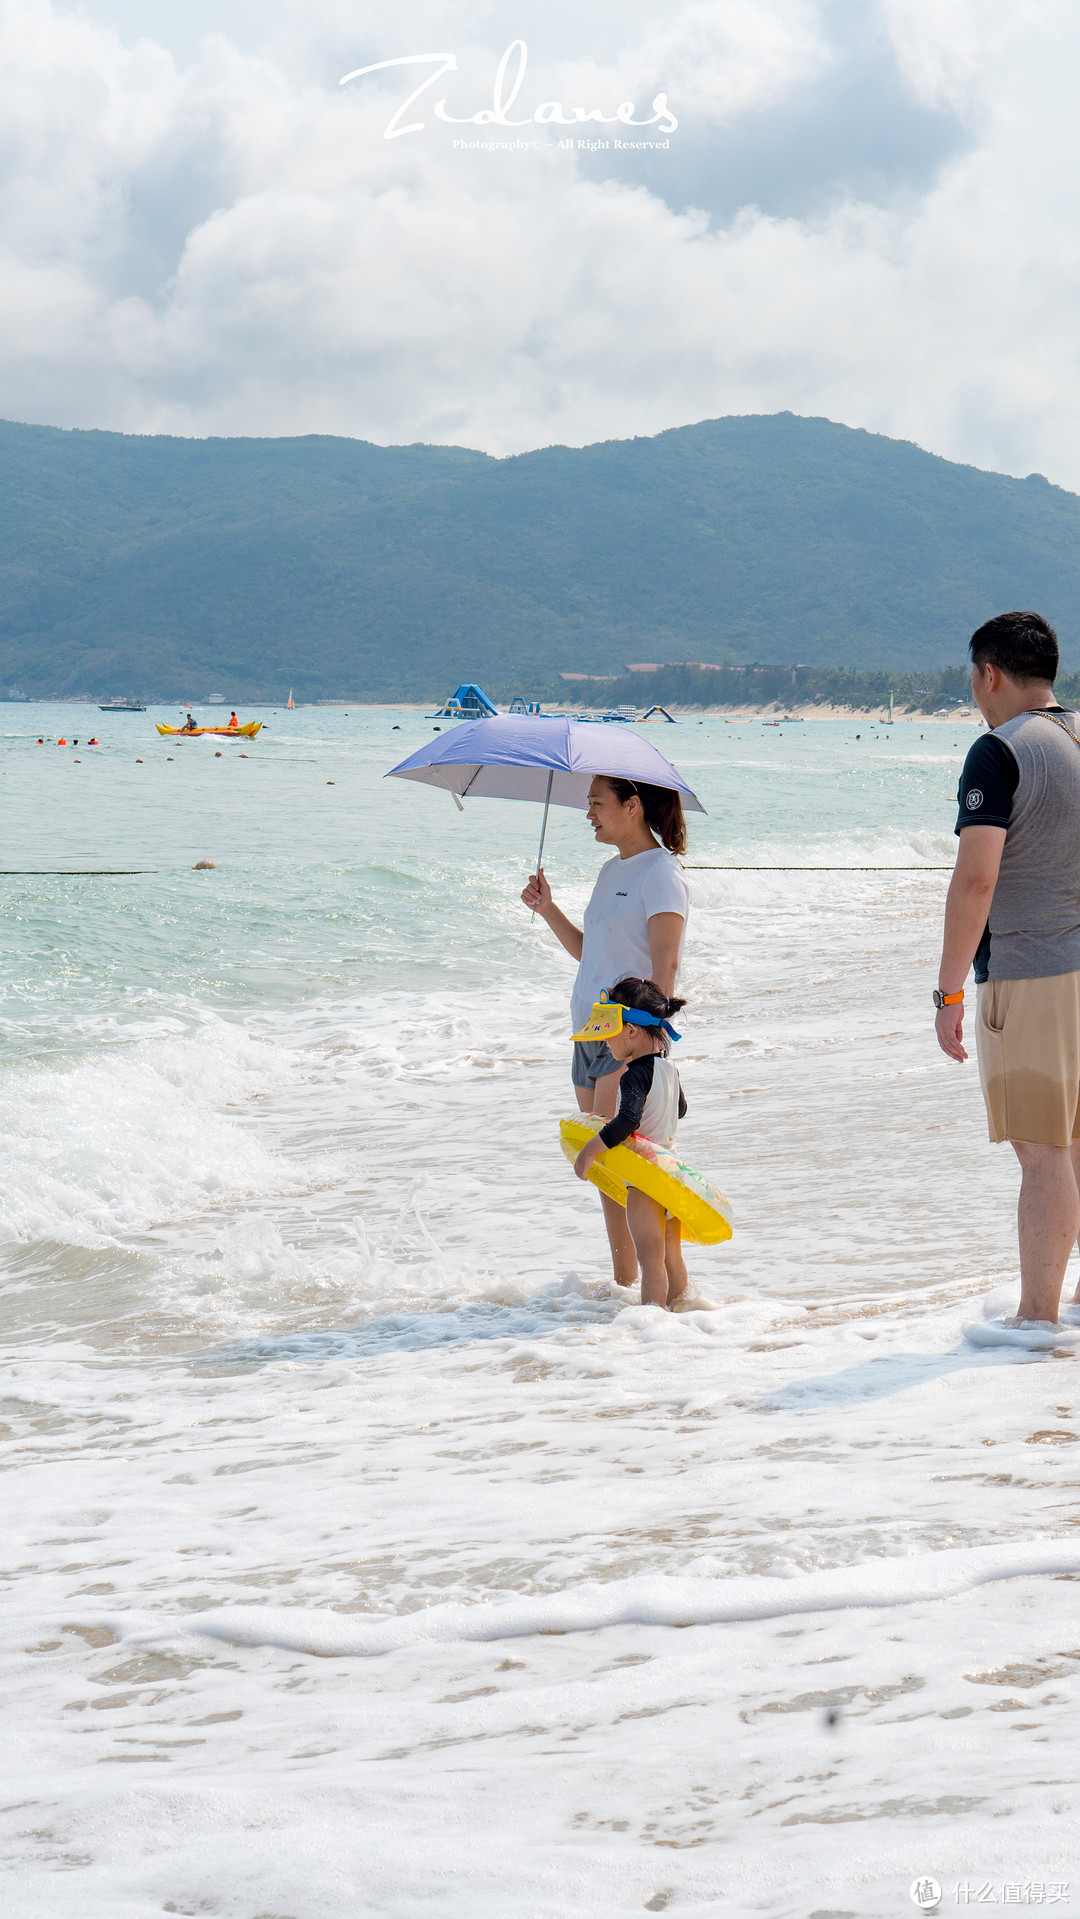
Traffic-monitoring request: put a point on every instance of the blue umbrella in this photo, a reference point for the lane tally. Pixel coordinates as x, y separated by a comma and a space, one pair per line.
517, 757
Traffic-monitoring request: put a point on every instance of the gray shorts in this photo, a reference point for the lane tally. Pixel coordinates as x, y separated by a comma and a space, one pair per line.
592, 1061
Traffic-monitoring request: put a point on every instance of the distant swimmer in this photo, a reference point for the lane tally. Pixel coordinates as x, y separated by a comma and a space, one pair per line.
189, 725
234, 724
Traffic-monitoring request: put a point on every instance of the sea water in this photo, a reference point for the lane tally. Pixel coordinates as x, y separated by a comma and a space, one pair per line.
367, 1550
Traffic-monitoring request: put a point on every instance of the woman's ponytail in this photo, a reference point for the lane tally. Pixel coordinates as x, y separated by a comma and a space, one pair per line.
661, 806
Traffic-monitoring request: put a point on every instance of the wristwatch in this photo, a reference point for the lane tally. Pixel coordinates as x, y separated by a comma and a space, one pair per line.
946, 999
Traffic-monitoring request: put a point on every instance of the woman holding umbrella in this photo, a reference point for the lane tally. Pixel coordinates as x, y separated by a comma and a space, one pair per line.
634, 924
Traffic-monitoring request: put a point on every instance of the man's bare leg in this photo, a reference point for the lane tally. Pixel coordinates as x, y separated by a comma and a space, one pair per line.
1075, 1151
1048, 1221
604, 1099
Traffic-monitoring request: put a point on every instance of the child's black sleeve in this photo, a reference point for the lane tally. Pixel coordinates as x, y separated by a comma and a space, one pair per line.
634, 1088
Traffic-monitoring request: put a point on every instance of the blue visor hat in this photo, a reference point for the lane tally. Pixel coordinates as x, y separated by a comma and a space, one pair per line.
608, 1018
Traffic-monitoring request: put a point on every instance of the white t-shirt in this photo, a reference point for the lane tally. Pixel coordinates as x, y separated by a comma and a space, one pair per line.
616, 926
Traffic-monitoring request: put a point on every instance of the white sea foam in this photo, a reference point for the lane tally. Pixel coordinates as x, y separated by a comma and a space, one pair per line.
134, 1135
657, 1601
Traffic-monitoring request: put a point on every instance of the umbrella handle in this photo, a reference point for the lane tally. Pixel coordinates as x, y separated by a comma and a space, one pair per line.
543, 832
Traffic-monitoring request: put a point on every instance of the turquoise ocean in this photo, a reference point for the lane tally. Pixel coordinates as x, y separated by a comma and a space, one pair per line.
352, 1513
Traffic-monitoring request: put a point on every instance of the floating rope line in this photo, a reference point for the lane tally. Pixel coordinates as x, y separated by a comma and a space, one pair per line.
73, 872
818, 869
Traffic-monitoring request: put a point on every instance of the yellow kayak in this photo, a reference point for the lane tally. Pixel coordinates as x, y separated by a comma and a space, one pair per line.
247, 732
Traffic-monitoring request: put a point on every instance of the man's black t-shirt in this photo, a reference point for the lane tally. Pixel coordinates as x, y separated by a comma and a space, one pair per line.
988, 784
985, 796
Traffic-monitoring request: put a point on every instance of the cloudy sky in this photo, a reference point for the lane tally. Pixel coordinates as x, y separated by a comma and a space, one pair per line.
868, 210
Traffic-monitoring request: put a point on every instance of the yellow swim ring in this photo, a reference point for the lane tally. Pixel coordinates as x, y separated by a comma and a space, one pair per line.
693, 1199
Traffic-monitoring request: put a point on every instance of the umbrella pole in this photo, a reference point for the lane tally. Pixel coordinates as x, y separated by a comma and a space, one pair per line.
543, 829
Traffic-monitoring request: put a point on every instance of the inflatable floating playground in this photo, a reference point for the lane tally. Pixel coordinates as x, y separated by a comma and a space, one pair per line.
470, 702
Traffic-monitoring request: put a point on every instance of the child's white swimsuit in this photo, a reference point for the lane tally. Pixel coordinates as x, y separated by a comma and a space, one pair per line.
650, 1102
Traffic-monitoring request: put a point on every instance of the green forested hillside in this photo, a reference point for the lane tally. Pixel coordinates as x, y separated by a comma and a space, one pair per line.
182, 567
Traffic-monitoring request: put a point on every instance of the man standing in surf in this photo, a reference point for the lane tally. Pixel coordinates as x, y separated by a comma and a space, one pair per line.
1013, 911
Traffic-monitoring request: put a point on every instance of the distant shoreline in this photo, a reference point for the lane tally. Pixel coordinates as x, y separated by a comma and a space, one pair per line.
872, 716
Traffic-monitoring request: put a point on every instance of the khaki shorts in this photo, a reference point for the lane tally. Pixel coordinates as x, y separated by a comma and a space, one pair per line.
1027, 1033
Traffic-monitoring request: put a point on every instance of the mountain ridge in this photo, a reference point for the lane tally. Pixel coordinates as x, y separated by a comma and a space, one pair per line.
155, 564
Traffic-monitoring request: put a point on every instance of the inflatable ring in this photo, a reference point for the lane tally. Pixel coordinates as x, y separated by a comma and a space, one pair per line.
702, 1209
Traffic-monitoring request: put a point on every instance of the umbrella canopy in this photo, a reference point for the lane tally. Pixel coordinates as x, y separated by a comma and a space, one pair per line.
517, 757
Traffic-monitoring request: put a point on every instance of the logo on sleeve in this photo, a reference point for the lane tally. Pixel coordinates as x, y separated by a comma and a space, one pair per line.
973, 800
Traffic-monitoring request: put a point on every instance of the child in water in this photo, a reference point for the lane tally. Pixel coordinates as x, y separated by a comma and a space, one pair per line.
651, 1102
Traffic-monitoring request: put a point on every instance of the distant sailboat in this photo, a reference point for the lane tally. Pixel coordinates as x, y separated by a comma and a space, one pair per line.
290, 702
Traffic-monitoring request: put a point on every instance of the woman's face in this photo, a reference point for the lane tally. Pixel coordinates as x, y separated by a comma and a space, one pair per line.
608, 816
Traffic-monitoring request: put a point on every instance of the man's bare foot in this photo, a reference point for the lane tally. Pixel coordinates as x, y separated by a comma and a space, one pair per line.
1034, 1335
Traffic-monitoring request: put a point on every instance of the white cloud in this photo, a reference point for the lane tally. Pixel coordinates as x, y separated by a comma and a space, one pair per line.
225, 243
718, 58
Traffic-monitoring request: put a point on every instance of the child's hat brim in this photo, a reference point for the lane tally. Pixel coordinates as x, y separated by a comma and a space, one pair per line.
603, 1023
